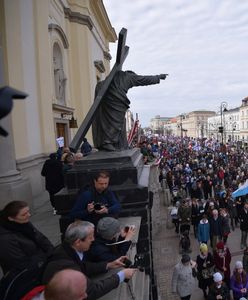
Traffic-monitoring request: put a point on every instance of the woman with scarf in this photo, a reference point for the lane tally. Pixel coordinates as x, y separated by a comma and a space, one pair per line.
22, 244
239, 281
205, 269
222, 260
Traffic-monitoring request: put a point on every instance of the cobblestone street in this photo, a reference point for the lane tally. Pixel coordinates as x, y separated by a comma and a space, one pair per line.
166, 253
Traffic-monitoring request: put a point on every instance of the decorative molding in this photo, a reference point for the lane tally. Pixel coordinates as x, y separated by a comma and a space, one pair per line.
62, 108
61, 33
99, 65
77, 17
107, 55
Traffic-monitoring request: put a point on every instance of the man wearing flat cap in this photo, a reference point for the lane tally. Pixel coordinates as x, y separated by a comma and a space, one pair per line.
111, 241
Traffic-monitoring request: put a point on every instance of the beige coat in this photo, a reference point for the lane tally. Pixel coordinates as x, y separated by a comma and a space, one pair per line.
183, 282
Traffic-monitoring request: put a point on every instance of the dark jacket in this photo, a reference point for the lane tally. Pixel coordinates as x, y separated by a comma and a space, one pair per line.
225, 227
204, 264
64, 257
222, 291
215, 226
19, 250
107, 198
101, 250
243, 220
53, 172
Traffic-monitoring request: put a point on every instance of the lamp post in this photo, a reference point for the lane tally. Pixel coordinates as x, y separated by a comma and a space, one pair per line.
223, 108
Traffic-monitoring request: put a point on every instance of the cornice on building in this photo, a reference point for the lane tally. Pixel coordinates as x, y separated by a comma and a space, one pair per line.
77, 17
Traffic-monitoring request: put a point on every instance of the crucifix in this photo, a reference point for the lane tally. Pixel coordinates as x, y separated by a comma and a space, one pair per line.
122, 52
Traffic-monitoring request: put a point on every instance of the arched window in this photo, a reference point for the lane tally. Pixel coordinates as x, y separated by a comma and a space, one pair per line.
59, 74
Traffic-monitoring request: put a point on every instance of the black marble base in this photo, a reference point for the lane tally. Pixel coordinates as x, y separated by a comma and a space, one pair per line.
124, 167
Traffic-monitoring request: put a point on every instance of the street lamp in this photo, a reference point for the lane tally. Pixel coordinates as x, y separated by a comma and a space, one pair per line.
223, 108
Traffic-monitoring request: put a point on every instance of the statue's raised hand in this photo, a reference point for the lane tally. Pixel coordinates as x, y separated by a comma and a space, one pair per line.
163, 76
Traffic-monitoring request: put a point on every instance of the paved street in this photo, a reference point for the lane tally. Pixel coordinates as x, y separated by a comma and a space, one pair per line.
166, 253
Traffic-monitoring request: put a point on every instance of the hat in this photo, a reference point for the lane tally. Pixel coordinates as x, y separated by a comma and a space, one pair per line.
238, 264
217, 277
220, 245
203, 248
185, 258
108, 227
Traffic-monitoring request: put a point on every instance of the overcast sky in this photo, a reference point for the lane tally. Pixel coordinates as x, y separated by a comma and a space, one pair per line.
202, 44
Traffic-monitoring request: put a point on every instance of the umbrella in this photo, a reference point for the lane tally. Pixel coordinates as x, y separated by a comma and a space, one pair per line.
243, 190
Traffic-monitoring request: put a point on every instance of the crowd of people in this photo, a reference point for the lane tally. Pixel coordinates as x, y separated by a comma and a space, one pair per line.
94, 243
202, 175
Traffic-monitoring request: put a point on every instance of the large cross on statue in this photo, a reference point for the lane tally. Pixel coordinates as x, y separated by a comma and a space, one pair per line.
122, 52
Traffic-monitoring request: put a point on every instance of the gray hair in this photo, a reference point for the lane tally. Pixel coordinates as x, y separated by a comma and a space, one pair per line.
77, 230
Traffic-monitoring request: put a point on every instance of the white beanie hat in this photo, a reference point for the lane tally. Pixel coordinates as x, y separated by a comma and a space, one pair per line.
238, 264
217, 277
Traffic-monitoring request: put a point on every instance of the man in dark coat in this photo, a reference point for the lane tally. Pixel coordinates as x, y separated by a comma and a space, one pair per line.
244, 225
111, 241
109, 123
96, 202
70, 255
53, 172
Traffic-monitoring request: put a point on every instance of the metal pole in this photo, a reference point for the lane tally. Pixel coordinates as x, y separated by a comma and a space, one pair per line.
221, 124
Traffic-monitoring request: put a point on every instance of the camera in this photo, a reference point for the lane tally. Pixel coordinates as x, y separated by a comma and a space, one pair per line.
97, 206
138, 263
126, 228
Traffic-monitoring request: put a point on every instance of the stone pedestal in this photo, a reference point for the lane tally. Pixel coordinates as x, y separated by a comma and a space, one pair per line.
125, 168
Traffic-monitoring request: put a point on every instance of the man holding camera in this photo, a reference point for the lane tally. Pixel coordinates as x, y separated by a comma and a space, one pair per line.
71, 255
96, 202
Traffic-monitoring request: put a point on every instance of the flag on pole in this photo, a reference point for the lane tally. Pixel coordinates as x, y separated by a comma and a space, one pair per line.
243, 190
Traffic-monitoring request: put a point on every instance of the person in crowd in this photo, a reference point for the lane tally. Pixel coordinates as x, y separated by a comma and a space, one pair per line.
174, 216
78, 156
215, 228
183, 281
22, 244
207, 187
69, 160
222, 260
218, 290
52, 170
225, 227
64, 285
232, 209
244, 225
205, 269
239, 281
203, 233
111, 241
245, 260
184, 214
211, 205
195, 215
65, 151
70, 254
96, 202
86, 148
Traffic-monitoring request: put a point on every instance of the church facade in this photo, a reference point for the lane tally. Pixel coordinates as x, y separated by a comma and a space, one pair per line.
55, 51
